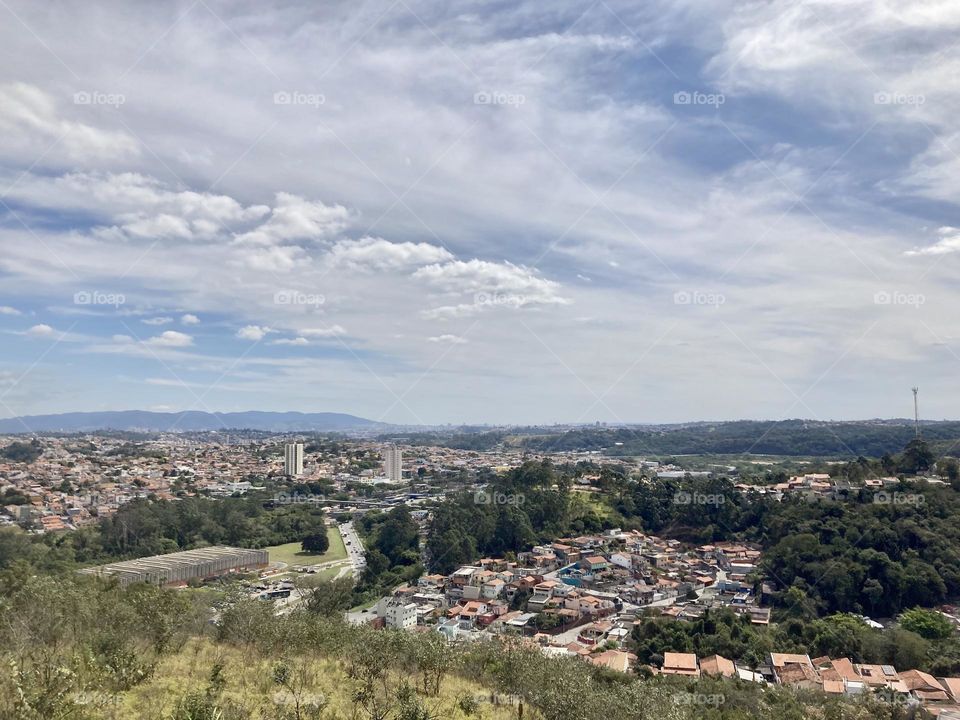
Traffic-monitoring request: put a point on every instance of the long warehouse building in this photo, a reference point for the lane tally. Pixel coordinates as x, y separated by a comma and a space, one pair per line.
179, 567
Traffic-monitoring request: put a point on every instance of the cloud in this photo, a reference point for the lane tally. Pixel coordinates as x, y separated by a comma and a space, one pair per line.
948, 243
448, 339
157, 321
253, 332
489, 285
294, 218
189, 319
40, 331
298, 341
31, 120
7, 310
171, 339
332, 331
378, 254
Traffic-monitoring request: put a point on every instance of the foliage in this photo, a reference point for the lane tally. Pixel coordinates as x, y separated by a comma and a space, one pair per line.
928, 624
316, 542
22, 452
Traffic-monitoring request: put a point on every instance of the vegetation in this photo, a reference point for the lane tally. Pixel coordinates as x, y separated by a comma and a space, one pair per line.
294, 554
723, 632
22, 452
83, 649
144, 528
393, 553
784, 437
316, 543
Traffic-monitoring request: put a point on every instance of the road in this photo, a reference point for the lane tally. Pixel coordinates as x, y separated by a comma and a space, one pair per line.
351, 541
354, 547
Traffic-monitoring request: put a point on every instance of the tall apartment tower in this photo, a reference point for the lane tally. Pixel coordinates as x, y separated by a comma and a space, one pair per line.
393, 463
293, 459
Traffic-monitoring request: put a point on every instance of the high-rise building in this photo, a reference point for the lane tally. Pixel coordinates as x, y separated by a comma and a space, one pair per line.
293, 459
393, 463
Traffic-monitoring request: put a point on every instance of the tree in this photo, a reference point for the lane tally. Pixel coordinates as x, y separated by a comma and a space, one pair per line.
917, 457
331, 597
928, 624
950, 468
316, 543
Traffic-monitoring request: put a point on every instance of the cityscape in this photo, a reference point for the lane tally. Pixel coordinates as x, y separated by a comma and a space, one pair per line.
408, 360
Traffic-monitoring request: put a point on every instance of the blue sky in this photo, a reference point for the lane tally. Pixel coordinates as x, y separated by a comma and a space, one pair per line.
427, 212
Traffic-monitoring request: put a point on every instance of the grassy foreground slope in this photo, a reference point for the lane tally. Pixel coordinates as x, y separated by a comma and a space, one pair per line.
250, 689
81, 649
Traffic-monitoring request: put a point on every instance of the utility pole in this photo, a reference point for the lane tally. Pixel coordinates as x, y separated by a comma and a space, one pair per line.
916, 412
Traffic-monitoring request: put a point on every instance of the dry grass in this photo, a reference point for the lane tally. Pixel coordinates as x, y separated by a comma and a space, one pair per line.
249, 684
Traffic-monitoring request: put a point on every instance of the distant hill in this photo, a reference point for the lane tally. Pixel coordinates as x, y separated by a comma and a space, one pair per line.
191, 421
870, 438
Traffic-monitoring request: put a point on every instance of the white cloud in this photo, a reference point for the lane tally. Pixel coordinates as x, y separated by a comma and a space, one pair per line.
448, 339
7, 310
299, 341
332, 331
378, 254
253, 332
157, 321
172, 339
948, 243
30, 119
40, 331
294, 218
489, 285
189, 319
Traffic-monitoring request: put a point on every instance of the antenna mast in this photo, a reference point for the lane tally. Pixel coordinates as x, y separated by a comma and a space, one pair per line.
916, 412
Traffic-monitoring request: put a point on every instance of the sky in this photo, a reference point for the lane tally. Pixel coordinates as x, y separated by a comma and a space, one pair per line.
481, 212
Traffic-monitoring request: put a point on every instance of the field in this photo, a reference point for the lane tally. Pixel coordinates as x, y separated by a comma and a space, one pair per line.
291, 553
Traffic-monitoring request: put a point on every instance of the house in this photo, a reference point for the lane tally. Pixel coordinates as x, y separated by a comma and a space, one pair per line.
794, 670
881, 676
614, 660
923, 686
542, 593
680, 664
839, 676
595, 563
493, 588
718, 665
594, 633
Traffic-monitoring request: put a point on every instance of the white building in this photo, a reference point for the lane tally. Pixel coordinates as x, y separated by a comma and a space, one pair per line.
293, 459
393, 463
397, 613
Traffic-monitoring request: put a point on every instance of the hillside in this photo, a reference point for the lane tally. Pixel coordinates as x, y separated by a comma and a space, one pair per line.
153, 655
869, 438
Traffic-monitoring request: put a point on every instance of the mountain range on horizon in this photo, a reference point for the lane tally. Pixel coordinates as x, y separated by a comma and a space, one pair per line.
294, 421
187, 421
